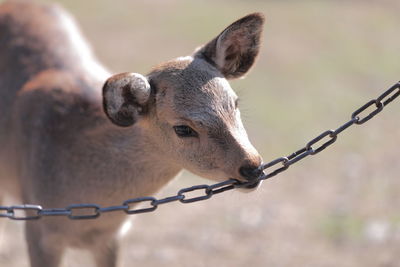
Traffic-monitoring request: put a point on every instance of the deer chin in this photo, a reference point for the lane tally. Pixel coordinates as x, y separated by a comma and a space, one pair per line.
250, 188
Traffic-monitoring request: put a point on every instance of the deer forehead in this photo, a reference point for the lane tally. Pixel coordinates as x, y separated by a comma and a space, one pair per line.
195, 90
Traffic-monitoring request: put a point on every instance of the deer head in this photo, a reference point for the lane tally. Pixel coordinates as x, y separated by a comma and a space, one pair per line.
188, 108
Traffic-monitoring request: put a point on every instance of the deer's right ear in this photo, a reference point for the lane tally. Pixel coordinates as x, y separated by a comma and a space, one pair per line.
125, 97
235, 49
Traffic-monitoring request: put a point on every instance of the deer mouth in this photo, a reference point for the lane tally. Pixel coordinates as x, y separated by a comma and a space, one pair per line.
253, 185
249, 186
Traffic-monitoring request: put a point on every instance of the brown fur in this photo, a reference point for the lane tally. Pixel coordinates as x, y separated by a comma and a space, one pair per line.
60, 148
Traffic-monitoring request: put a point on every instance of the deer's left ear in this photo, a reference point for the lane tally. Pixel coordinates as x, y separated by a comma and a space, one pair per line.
234, 51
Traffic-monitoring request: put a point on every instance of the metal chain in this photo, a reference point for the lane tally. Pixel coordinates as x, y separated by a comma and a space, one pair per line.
92, 211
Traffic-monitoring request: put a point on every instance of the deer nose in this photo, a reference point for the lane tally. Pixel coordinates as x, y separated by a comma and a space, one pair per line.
250, 172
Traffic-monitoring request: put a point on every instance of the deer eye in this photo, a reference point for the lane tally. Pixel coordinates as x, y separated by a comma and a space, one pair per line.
185, 131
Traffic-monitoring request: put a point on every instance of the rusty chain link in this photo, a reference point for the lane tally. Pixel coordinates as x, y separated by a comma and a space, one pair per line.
92, 211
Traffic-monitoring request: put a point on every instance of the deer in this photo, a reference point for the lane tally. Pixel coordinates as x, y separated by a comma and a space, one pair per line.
72, 132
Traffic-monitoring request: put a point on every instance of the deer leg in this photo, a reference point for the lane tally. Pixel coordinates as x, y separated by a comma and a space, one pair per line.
105, 252
45, 250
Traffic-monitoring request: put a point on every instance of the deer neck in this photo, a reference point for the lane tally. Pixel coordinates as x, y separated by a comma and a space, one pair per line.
133, 156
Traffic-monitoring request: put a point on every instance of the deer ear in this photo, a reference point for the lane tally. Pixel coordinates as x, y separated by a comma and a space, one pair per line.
125, 97
234, 51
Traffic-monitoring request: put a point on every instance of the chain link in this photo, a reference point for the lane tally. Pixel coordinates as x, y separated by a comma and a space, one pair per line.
92, 211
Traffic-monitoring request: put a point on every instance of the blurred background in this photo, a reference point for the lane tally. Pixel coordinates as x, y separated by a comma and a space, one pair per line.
320, 60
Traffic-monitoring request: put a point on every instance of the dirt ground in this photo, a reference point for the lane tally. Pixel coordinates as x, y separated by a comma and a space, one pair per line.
320, 61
